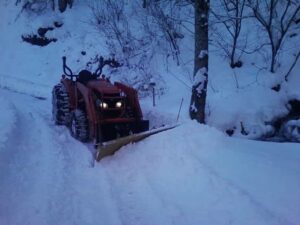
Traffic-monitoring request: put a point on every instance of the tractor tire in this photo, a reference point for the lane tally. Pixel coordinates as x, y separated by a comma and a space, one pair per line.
291, 130
60, 105
79, 126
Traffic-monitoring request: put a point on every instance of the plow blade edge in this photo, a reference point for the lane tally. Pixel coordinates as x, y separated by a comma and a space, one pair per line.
110, 147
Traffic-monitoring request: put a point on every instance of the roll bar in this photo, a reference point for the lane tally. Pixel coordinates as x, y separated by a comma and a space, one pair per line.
67, 71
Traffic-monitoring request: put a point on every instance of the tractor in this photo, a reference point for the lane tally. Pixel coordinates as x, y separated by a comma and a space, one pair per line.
93, 108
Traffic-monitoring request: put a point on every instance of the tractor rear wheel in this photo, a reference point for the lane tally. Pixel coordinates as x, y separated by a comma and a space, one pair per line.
60, 105
291, 130
79, 126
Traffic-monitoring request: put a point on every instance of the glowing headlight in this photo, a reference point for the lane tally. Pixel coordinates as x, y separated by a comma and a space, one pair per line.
118, 104
103, 105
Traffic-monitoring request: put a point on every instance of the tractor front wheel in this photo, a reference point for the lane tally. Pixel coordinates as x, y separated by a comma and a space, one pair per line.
60, 105
79, 126
291, 130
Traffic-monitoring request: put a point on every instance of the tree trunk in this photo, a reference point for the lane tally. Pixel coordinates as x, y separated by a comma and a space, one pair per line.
62, 5
53, 5
198, 98
144, 4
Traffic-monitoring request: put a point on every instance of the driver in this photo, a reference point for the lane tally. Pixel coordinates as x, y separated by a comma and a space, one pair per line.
85, 76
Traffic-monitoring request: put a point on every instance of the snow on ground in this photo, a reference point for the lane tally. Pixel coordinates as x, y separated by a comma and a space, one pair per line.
7, 120
199, 176
46, 176
189, 175
244, 95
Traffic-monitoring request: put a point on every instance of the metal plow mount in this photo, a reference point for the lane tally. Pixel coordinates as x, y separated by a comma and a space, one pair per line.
110, 147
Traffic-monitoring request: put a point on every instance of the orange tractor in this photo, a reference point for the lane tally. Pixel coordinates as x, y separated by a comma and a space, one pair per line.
95, 109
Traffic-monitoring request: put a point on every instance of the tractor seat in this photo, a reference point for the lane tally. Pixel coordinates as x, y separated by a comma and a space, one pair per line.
85, 76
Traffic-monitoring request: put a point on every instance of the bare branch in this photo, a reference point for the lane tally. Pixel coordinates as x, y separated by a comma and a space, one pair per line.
292, 66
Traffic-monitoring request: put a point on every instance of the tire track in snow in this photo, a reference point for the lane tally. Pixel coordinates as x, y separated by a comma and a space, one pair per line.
24, 86
84, 184
129, 188
48, 176
84, 188
151, 194
184, 199
7, 121
82, 197
25, 163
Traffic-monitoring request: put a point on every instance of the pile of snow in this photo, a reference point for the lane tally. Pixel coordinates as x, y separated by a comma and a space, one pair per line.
196, 175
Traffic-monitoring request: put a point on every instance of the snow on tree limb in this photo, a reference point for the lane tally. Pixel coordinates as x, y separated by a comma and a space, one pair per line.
203, 53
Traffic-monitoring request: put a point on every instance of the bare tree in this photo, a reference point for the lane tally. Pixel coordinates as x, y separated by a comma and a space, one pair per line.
144, 4
168, 23
230, 13
135, 48
276, 17
111, 20
199, 90
159, 24
292, 66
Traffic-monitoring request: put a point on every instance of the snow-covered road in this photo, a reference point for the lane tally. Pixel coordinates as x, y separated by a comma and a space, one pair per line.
190, 175
46, 176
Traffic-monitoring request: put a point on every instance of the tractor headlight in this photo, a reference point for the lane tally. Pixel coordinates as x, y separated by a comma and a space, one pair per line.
119, 104
103, 105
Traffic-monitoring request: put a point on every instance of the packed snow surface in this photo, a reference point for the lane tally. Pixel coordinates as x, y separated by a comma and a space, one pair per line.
190, 175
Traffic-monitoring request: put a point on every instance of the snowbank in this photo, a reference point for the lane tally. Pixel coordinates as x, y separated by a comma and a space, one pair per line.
196, 175
244, 100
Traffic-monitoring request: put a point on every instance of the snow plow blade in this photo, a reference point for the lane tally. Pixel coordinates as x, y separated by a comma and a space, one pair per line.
110, 147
